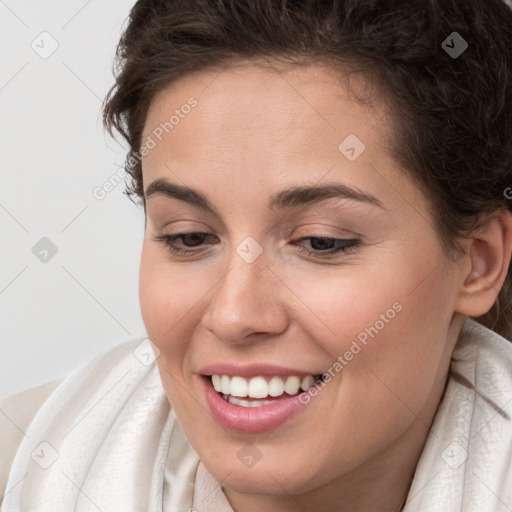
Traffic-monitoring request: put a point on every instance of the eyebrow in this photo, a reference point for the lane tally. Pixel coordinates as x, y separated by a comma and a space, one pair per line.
289, 198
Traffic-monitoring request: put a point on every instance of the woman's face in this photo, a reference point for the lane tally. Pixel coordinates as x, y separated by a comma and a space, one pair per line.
280, 163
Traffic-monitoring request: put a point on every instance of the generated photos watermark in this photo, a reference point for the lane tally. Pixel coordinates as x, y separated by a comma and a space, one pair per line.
357, 345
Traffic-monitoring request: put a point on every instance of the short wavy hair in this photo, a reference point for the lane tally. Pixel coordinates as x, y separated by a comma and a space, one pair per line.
451, 115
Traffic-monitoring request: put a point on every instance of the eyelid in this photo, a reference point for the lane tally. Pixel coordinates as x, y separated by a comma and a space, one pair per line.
316, 234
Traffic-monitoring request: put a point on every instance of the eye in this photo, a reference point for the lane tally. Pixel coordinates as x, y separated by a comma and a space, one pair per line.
192, 239
324, 247
321, 247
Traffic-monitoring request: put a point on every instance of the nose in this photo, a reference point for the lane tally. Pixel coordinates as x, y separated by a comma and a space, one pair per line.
248, 300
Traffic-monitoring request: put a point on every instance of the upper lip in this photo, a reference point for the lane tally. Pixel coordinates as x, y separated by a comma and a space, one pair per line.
252, 370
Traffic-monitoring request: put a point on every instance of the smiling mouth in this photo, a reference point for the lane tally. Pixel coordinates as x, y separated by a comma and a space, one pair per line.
261, 390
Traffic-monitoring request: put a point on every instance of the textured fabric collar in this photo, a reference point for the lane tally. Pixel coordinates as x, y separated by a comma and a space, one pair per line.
466, 464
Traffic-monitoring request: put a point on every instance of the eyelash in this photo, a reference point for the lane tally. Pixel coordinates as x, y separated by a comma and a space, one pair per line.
345, 245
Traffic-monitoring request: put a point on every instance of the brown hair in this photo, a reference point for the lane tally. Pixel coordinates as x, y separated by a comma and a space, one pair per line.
452, 114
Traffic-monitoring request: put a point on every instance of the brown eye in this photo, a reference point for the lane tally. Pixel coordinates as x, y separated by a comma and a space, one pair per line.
193, 239
328, 247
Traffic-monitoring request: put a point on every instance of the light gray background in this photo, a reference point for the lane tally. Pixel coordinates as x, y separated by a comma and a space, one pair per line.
57, 314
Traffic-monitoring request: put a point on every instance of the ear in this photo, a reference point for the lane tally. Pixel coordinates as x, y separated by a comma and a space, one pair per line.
488, 260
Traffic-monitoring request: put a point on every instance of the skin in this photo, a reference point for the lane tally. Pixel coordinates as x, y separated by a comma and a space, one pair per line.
255, 131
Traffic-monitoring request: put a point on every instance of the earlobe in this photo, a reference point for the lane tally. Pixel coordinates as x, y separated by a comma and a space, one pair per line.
489, 255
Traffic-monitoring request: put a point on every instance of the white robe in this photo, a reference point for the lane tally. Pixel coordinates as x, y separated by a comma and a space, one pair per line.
107, 440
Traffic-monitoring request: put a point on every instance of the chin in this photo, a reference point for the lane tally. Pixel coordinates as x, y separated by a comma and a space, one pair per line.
276, 475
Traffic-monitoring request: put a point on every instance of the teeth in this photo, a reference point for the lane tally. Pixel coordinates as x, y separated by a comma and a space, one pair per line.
258, 387
216, 380
276, 386
292, 385
248, 403
239, 387
225, 384
307, 382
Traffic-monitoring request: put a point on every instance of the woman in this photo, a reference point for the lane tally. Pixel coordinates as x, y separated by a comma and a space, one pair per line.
325, 193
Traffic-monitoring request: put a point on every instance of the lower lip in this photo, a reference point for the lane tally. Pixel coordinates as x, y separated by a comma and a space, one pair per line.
250, 419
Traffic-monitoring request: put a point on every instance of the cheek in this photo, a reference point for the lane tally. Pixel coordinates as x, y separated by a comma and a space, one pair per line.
167, 297
406, 358
167, 310
390, 332
154, 296
353, 306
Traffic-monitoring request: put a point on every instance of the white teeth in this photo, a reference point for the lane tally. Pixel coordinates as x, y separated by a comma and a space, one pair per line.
275, 386
248, 403
216, 380
307, 382
225, 384
258, 387
292, 385
238, 386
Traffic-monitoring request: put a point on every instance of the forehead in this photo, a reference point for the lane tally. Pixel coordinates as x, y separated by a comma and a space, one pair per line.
261, 105
253, 115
